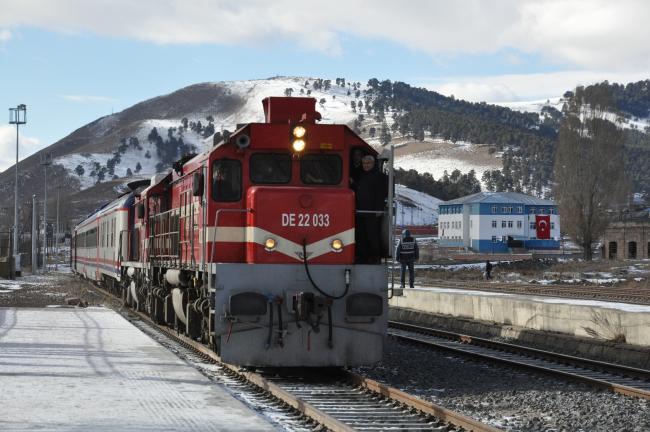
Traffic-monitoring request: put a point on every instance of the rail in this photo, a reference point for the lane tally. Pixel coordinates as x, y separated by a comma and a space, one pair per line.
608, 376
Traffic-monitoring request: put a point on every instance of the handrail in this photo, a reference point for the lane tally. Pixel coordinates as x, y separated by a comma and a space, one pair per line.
370, 211
216, 221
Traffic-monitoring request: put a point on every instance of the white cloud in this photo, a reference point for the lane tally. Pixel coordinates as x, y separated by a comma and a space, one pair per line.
474, 92
84, 98
27, 146
526, 86
579, 34
5, 35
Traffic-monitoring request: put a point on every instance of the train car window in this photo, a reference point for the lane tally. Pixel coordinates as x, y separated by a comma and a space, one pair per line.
270, 168
226, 180
326, 169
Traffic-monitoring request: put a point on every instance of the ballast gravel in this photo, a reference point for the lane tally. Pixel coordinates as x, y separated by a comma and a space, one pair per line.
507, 398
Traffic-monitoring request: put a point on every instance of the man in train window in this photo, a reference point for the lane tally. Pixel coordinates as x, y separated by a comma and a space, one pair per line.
369, 199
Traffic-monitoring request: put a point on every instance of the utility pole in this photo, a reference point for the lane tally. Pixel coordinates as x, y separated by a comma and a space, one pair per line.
17, 116
34, 229
46, 159
58, 191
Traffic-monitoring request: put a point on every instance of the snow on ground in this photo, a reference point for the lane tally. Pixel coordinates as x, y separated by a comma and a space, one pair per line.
415, 208
447, 157
557, 103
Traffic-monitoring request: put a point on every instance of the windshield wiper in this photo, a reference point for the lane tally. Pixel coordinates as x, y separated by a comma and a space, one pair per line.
278, 164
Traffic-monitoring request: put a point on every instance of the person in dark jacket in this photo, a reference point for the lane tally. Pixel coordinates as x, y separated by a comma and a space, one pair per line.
488, 268
407, 253
369, 198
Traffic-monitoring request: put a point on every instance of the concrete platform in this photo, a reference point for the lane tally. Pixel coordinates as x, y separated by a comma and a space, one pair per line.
560, 315
90, 369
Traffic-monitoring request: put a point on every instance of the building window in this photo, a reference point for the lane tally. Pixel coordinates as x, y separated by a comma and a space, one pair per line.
504, 239
494, 224
533, 226
503, 224
519, 224
494, 239
551, 210
460, 210
460, 225
552, 225
511, 209
542, 210
509, 224
519, 209
504, 209
471, 224
494, 209
533, 210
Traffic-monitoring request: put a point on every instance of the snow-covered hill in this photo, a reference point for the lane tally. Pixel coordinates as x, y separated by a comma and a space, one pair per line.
558, 103
415, 208
335, 109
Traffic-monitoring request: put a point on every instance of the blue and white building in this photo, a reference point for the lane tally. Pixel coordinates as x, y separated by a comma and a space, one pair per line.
498, 222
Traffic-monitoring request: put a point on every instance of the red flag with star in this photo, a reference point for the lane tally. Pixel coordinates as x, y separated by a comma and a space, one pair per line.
543, 224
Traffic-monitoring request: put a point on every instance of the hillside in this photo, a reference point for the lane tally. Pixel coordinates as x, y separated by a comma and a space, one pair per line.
431, 132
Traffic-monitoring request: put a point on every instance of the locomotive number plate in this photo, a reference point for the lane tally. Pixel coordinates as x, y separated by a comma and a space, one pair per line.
305, 219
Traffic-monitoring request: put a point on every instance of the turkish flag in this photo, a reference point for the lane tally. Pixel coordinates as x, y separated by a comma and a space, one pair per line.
543, 224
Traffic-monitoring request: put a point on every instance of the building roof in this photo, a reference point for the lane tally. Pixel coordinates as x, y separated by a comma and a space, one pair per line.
499, 198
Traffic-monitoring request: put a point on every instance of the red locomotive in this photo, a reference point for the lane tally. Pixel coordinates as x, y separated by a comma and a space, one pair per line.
249, 245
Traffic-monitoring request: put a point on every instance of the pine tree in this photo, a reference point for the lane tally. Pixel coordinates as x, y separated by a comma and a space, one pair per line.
138, 167
129, 172
80, 170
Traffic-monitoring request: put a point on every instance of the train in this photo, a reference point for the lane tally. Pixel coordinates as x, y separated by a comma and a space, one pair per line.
249, 246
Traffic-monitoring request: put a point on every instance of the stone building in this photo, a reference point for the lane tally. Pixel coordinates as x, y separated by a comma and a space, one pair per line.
628, 238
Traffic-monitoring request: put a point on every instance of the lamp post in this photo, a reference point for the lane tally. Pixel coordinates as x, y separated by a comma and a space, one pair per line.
34, 237
17, 116
58, 190
46, 159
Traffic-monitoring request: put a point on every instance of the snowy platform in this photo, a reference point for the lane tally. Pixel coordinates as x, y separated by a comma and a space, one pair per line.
90, 369
554, 314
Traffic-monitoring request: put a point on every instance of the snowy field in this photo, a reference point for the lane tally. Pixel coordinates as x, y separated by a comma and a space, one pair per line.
415, 208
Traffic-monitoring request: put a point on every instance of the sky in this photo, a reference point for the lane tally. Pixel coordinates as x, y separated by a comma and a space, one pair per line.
74, 61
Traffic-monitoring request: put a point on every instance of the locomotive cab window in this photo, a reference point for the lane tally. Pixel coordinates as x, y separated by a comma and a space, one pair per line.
270, 168
325, 169
226, 180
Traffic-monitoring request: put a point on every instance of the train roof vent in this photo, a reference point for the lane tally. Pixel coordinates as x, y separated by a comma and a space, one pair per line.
157, 177
290, 110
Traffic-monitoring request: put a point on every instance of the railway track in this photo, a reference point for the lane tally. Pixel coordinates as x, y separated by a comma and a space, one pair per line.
621, 379
337, 399
626, 295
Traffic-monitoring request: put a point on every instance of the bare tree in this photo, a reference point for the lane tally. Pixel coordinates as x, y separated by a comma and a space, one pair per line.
589, 171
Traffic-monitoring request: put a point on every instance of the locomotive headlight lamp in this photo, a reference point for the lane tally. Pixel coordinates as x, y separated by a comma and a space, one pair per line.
337, 245
298, 137
299, 131
269, 244
298, 145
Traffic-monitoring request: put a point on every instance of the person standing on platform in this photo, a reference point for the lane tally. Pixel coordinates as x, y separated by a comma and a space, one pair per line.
370, 195
407, 253
488, 268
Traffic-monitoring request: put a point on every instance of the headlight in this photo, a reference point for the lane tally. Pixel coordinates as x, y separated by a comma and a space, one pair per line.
299, 131
269, 244
298, 145
337, 245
